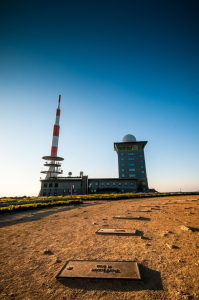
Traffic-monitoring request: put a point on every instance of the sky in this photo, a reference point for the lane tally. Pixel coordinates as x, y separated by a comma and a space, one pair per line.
121, 67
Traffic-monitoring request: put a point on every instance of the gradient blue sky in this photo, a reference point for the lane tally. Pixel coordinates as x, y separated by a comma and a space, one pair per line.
121, 67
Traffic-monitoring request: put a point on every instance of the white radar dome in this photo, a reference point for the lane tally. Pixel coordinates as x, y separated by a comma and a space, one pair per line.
128, 138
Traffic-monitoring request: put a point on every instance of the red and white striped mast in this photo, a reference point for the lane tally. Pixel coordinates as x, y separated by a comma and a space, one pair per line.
56, 128
54, 164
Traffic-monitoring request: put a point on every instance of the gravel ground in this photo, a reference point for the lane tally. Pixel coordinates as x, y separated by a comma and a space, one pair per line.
168, 256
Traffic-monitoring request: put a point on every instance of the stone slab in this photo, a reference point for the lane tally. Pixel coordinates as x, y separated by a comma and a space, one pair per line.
116, 231
139, 210
100, 269
159, 203
127, 217
149, 205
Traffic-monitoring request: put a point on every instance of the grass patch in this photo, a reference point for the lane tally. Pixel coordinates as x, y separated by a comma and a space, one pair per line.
25, 207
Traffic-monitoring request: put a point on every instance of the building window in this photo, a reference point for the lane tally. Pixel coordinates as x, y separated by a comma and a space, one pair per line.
122, 165
122, 190
50, 185
131, 170
94, 191
119, 183
91, 191
69, 191
102, 183
56, 184
96, 183
107, 183
45, 184
143, 189
64, 191
55, 194
142, 172
131, 158
140, 155
44, 189
130, 153
122, 170
122, 158
142, 167
49, 194
141, 161
44, 194
131, 175
131, 183
113, 183
125, 183
122, 154
144, 183
131, 165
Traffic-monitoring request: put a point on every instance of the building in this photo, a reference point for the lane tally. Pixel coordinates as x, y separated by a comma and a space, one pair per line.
131, 168
131, 161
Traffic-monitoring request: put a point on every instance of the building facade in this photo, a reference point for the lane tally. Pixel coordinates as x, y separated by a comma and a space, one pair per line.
61, 186
131, 160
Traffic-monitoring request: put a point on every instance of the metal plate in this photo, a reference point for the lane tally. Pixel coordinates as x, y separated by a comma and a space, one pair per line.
148, 205
158, 203
126, 217
116, 231
139, 210
100, 269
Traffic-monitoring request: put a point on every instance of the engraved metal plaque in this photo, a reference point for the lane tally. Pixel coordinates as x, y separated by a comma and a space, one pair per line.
159, 203
116, 231
149, 205
126, 217
139, 210
100, 269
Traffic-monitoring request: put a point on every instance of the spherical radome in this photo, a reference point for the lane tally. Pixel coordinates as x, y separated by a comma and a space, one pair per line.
128, 138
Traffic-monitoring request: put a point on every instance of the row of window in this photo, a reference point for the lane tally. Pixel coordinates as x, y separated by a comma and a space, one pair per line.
131, 158
131, 164
131, 154
108, 184
55, 194
131, 175
51, 185
63, 191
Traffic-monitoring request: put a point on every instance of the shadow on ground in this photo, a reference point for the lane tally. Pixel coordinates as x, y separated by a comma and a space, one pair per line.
10, 219
151, 280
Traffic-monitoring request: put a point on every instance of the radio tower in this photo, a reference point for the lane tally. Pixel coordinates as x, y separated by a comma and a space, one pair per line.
53, 161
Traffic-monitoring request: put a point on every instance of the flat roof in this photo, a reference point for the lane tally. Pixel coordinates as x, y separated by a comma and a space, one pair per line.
133, 178
130, 143
80, 178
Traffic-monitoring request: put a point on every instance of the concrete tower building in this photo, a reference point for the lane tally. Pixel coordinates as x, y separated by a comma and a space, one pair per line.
131, 162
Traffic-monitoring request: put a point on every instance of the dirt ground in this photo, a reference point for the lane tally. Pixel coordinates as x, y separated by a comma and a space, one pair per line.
69, 233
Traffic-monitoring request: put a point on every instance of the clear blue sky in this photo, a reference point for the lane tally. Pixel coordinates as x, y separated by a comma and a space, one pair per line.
121, 67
